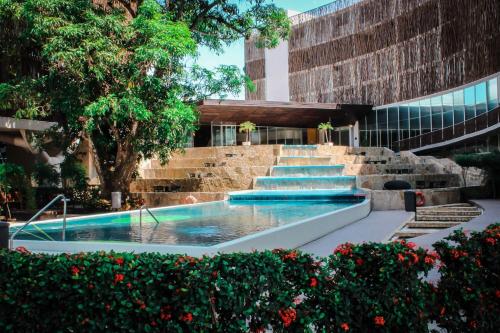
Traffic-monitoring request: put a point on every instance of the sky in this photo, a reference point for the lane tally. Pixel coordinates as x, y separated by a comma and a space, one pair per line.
234, 54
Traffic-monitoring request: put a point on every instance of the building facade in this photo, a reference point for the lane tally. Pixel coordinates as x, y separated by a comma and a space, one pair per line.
430, 68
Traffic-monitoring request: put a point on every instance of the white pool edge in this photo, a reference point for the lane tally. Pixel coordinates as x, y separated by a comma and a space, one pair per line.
288, 236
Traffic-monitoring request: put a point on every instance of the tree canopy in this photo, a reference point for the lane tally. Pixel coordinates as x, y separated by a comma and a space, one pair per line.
117, 72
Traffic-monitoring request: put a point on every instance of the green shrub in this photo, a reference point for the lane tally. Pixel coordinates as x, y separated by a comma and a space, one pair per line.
469, 288
360, 288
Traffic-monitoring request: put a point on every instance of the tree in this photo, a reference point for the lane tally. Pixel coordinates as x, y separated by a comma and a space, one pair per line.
247, 127
324, 128
118, 74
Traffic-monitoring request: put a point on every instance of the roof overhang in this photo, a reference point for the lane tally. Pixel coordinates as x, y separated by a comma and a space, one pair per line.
280, 114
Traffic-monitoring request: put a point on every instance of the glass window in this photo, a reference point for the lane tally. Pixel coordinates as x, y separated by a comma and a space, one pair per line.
458, 106
382, 127
448, 110
425, 115
437, 116
492, 94
470, 102
404, 122
371, 120
414, 119
480, 98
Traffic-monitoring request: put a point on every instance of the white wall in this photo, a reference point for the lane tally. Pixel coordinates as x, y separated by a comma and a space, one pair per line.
277, 88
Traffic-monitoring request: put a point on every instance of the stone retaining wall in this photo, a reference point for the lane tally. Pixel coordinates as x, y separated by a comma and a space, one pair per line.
394, 200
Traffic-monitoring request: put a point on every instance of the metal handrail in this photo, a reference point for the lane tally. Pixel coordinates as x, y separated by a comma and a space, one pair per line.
59, 197
144, 207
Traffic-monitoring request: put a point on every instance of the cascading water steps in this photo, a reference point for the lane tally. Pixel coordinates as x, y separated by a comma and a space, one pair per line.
303, 171
301, 174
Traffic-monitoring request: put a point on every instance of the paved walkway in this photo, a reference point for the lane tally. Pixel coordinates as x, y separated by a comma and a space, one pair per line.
491, 214
380, 225
376, 227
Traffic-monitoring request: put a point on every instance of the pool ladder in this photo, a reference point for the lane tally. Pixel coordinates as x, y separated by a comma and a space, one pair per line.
144, 207
53, 201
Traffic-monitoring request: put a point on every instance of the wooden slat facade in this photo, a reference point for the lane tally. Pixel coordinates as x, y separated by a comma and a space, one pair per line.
385, 51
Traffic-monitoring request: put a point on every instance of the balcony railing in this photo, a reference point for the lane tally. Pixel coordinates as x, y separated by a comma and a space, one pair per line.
478, 123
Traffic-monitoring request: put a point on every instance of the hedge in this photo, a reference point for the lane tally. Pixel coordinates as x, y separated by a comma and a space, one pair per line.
359, 288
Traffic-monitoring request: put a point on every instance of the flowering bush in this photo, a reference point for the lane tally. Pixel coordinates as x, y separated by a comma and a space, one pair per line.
376, 288
469, 288
359, 288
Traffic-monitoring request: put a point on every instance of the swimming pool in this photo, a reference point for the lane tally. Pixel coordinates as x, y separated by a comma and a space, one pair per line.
202, 225
207, 228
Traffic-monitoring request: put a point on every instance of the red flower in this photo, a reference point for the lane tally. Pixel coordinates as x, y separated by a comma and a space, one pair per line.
442, 312
215, 274
90, 286
75, 270
288, 316
291, 256
119, 261
429, 260
401, 257
456, 254
344, 326
22, 249
497, 294
415, 257
141, 304
154, 324
314, 282
411, 245
259, 330
188, 317
107, 307
473, 324
359, 261
379, 321
119, 278
490, 241
344, 249
129, 285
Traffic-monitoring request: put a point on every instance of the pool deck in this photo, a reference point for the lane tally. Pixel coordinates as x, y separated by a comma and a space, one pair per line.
376, 227
380, 225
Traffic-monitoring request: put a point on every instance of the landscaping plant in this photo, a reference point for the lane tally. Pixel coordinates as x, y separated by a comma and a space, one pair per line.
469, 288
368, 287
247, 127
323, 130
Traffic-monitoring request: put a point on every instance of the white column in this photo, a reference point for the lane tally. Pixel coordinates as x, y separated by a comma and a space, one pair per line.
354, 135
277, 87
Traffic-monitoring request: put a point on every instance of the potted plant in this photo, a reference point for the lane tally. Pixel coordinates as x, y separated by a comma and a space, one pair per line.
323, 130
247, 127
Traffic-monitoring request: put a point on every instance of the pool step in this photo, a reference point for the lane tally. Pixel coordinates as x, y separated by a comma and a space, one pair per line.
306, 170
455, 218
304, 183
302, 160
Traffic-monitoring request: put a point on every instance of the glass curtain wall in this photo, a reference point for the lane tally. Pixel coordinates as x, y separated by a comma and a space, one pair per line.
388, 124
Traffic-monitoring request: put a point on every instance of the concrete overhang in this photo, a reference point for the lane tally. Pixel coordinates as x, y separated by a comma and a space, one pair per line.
280, 114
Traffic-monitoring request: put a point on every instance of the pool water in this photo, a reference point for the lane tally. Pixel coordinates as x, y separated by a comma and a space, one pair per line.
201, 225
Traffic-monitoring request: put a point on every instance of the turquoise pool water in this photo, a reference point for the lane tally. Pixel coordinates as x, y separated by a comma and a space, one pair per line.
201, 225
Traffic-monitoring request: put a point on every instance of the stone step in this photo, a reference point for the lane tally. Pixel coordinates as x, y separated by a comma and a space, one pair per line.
450, 206
457, 212
409, 234
445, 218
432, 225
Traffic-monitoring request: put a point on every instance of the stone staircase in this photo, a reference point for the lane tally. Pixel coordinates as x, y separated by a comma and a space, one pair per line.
434, 218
